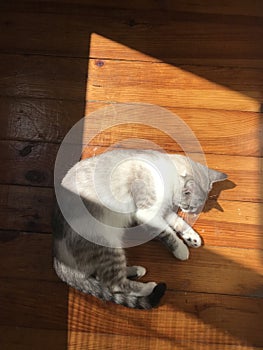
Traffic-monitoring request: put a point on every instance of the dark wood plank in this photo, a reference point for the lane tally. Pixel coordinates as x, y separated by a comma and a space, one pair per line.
33, 304
43, 77
215, 36
28, 163
34, 119
49, 120
25, 208
28, 257
235, 7
31, 163
182, 317
30, 208
65, 78
22, 338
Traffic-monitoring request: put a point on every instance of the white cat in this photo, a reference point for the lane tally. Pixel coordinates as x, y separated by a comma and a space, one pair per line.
123, 198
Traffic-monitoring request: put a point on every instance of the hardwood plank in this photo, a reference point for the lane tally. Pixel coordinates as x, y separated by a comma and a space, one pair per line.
49, 120
31, 163
109, 81
43, 77
205, 270
244, 174
28, 257
84, 340
64, 78
25, 338
25, 208
235, 7
28, 163
188, 317
34, 119
182, 317
218, 131
30, 208
192, 35
22, 338
206, 54
34, 304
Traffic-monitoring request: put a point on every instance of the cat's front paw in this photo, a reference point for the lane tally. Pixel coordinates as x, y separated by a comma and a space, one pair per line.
181, 252
191, 238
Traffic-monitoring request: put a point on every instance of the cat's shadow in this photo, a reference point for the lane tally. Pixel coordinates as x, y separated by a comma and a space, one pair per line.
218, 187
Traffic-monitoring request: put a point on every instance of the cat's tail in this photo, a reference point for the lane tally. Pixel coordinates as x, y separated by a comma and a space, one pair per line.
77, 280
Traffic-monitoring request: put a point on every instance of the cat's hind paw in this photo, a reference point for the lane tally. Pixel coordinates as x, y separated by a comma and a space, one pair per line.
135, 271
191, 238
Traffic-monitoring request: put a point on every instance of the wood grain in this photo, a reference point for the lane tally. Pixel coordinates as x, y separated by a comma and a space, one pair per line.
25, 208
31, 163
193, 35
203, 61
43, 77
67, 78
22, 338
28, 163
184, 317
219, 132
235, 132
235, 7
177, 85
187, 316
37, 119
84, 340
28, 257
30, 208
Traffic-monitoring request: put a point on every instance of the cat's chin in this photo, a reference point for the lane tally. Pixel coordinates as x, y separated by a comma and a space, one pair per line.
187, 211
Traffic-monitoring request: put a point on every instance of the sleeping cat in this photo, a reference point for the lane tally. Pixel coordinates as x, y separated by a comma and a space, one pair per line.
119, 199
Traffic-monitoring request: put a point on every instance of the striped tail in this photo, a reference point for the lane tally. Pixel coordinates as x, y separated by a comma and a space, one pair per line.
78, 280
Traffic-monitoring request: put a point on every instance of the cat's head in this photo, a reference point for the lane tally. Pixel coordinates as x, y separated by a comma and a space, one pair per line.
195, 191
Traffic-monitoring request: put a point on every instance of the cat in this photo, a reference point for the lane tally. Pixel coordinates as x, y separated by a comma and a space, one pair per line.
136, 190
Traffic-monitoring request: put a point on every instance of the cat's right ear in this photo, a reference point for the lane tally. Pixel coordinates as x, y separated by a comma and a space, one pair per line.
215, 176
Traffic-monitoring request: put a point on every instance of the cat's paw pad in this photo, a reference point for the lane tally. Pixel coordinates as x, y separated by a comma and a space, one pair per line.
192, 239
181, 252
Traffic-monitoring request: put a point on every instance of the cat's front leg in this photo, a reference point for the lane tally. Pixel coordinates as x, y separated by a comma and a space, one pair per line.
187, 233
166, 233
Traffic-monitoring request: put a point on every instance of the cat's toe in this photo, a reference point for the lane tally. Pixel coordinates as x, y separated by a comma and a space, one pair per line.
192, 239
181, 252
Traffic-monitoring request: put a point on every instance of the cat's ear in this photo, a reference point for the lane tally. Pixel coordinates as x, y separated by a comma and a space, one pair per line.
215, 176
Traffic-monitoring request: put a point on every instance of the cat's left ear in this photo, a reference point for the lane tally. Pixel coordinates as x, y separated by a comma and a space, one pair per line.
215, 176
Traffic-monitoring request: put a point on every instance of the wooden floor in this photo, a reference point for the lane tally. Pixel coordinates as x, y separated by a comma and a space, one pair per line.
203, 61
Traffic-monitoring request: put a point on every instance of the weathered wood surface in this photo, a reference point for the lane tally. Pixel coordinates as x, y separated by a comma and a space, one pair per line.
202, 61
183, 316
28, 257
30, 208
